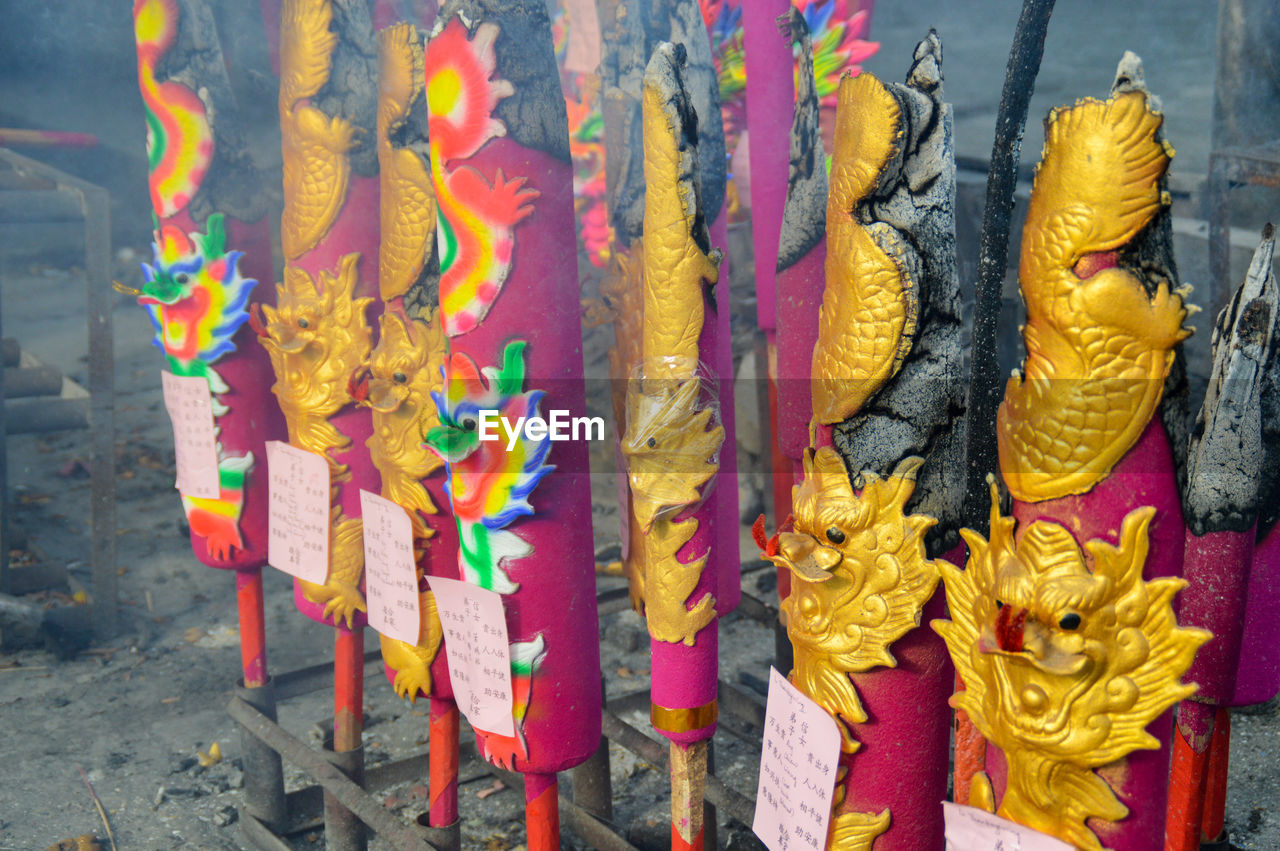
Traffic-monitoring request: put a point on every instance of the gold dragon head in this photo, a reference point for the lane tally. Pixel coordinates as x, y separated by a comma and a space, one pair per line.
858, 562
316, 320
671, 445
405, 367
1063, 652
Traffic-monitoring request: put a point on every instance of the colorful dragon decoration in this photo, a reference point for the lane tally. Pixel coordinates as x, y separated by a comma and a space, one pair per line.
1097, 340
197, 300
317, 338
859, 577
179, 137
1066, 657
489, 489
477, 214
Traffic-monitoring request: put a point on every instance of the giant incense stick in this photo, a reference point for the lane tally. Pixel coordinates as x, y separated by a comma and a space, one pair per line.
866, 527
1225, 465
212, 250
1062, 623
509, 305
404, 370
672, 442
319, 335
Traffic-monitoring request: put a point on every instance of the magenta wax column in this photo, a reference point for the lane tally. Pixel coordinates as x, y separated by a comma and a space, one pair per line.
509, 303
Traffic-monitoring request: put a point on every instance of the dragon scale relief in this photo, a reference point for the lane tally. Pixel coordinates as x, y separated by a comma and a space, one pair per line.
1099, 343
314, 145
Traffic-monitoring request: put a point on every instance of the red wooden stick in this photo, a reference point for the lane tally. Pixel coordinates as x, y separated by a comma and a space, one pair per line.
1186, 796
542, 812
1213, 822
443, 762
348, 689
253, 633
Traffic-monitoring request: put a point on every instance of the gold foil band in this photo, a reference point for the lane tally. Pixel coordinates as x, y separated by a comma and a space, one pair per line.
683, 720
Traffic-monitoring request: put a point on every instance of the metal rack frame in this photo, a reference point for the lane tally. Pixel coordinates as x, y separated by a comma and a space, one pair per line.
587, 813
34, 193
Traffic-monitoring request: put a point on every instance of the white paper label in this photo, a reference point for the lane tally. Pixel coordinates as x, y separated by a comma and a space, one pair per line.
299, 511
195, 441
390, 576
972, 829
797, 770
475, 644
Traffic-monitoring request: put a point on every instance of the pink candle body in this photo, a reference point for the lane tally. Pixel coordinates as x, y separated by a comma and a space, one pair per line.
1258, 674
770, 95
510, 305
725, 559
799, 299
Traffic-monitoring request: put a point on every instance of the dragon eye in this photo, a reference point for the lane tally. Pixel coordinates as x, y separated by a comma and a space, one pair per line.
183, 278
1070, 621
999, 604
399, 378
303, 323
651, 443
835, 536
469, 424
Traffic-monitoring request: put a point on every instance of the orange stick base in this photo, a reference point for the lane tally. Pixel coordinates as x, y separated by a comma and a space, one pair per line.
542, 812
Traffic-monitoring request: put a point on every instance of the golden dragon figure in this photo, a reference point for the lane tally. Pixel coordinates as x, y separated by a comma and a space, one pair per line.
408, 200
317, 337
859, 579
404, 369
314, 145
871, 299
1099, 343
671, 442
407, 364
1066, 657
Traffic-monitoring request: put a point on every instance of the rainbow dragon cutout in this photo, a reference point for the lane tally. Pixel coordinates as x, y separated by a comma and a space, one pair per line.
197, 300
476, 225
489, 489
179, 138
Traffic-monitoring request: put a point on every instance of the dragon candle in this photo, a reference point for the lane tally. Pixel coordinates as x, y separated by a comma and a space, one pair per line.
212, 247
1224, 472
212, 264
318, 336
1069, 620
873, 509
404, 370
509, 306
672, 442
